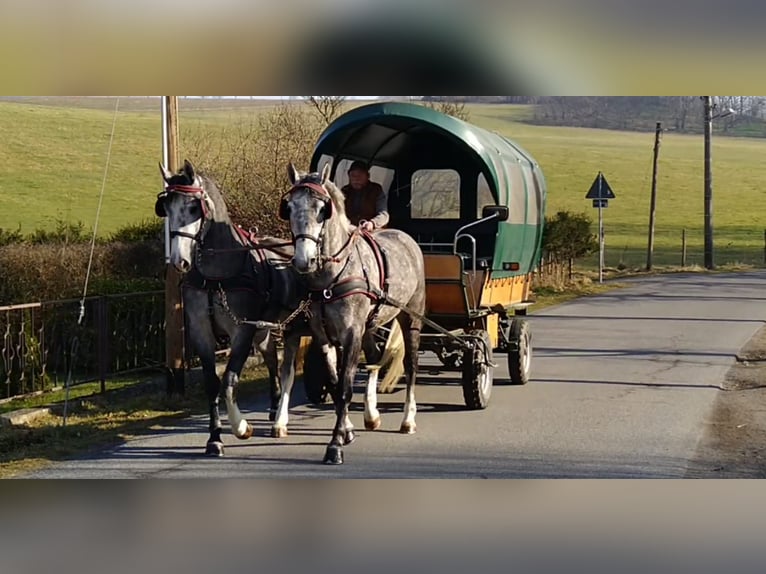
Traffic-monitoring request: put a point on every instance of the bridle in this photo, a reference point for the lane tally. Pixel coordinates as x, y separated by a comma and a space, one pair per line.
193, 191
320, 192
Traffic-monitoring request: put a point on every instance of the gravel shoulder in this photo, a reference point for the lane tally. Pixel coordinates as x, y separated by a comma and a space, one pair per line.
734, 444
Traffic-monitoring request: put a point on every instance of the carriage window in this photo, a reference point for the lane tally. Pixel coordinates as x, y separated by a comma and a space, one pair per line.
518, 199
382, 175
484, 195
435, 194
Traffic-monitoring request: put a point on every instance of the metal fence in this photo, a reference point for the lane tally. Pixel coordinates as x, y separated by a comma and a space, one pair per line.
43, 344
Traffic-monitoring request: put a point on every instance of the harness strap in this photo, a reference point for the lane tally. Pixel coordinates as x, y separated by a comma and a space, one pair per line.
347, 287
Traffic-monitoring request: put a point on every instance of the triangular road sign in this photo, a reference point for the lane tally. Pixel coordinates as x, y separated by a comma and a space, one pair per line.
600, 189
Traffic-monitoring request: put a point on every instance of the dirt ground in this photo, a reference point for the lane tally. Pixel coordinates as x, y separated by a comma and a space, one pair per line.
734, 445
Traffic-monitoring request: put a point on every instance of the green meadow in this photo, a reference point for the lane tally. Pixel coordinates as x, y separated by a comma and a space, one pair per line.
53, 157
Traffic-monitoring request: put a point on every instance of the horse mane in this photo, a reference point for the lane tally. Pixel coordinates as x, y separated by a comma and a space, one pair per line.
339, 203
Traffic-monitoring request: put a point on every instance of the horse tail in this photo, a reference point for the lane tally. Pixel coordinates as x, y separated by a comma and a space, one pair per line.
393, 357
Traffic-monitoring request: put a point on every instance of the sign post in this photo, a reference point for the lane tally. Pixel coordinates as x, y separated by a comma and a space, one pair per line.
600, 192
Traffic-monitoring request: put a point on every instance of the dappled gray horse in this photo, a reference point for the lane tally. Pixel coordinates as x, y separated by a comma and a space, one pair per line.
228, 279
353, 278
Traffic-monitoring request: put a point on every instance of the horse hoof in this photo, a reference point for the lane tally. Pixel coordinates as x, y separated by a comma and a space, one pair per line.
350, 438
408, 428
214, 449
278, 432
372, 425
334, 456
247, 435
272, 416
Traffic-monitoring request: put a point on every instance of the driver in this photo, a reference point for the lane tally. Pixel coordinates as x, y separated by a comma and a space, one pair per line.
366, 202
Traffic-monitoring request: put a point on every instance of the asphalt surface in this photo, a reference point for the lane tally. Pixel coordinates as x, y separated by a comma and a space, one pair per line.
622, 387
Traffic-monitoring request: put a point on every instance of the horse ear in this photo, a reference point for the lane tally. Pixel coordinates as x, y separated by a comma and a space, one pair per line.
293, 174
189, 170
166, 175
326, 173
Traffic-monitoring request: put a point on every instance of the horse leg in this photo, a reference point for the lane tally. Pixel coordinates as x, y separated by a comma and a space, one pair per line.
267, 346
372, 420
287, 374
372, 355
240, 349
213, 390
411, 333
331, 354
343, 434
202, 341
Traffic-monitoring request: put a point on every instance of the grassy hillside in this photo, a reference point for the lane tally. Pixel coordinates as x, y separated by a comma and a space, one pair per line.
54, 151
572, 157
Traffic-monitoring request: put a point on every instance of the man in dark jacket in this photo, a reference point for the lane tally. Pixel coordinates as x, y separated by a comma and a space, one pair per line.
366, 202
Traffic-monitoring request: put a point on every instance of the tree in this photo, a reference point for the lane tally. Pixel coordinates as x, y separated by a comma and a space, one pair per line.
327, 107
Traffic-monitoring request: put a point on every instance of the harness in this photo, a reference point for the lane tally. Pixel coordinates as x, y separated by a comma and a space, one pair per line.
359, 285
343, 287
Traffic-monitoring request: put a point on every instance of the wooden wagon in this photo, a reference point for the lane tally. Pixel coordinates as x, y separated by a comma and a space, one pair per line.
475, 203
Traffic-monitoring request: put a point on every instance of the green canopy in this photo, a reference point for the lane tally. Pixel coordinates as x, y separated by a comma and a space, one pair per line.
407, 137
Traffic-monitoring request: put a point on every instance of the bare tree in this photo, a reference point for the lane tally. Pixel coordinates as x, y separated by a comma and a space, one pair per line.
447, 105
328, 107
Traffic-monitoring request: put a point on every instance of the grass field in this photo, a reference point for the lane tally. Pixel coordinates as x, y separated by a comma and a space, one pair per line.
54, 154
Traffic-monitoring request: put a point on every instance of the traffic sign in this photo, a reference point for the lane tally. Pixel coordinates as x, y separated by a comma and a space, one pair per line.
600, 189
600, 203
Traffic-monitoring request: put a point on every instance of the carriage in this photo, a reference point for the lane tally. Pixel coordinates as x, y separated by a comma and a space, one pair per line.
474, 201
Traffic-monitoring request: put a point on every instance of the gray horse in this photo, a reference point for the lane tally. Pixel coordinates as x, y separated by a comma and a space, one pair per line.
228, 278
353, 277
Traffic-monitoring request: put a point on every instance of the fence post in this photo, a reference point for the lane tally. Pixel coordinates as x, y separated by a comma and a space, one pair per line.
683, 248
102, 338
764, 246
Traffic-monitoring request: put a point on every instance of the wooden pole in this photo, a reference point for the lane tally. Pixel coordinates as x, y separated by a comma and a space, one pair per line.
709, 259
174, 318
683, 248
653, 207
600, 231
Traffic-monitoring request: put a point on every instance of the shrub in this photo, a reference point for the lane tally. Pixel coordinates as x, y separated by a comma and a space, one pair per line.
146, 230
10, 237
249, 161
568, 236
63, 232
49, 271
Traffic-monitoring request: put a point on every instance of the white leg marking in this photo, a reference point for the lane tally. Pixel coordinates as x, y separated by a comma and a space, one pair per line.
239, 425
410, 410
371, 413
288, 378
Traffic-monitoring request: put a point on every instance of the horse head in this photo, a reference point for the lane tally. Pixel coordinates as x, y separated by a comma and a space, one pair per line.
308, 206
189, 209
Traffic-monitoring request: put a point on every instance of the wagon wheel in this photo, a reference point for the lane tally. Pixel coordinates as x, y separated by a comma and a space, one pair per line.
315, 378
477, 374
519, 352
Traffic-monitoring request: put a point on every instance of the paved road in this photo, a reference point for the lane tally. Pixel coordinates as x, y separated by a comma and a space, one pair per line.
622, 385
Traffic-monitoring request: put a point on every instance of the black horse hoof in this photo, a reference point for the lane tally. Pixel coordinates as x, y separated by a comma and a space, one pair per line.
334, 455
214, 449
272, 416
350, 438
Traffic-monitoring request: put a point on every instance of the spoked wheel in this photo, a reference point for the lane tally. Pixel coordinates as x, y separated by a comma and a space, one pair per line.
315, 377
519, 352
477, 373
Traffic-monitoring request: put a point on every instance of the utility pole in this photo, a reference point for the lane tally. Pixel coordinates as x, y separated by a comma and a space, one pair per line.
708, 105
174, 317
653, 208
